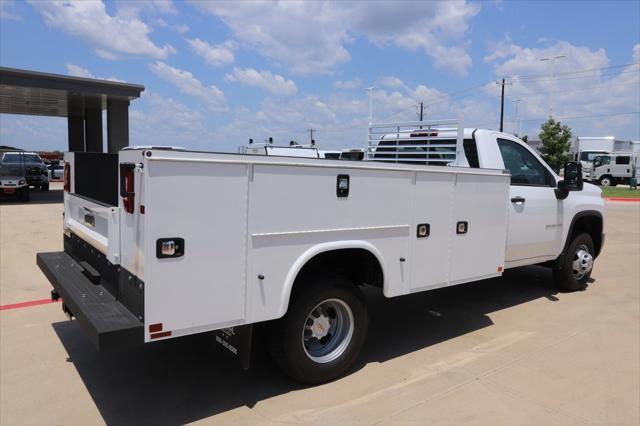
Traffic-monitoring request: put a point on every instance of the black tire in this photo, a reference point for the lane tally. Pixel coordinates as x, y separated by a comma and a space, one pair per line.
605, 181
286, 334
45, 187
565, 277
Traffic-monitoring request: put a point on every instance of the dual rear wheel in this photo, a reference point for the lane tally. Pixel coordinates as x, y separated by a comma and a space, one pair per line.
323, 331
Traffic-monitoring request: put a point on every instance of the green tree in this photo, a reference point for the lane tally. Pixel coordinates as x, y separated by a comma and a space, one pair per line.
556, 142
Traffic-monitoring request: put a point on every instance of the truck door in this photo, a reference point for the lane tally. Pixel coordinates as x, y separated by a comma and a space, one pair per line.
535, 219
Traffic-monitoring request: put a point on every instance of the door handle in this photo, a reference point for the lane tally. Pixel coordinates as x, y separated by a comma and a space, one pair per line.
518, 200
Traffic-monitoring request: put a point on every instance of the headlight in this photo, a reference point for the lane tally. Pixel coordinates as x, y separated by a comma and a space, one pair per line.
22, 182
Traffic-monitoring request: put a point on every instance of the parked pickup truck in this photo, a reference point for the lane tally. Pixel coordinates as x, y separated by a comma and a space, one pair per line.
170, 243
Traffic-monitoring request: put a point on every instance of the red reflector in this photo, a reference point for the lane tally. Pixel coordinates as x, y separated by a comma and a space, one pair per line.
141, 209
67, 177
500, 268
162, 334
155, 327
128, 201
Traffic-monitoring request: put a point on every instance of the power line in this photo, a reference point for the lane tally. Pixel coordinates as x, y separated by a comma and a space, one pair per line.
534, 76
585, 116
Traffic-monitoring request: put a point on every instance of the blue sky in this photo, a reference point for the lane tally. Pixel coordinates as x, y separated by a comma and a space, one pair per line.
217, 74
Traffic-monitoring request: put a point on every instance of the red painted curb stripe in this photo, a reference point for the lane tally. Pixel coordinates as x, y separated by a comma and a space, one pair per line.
622, 199
25, 304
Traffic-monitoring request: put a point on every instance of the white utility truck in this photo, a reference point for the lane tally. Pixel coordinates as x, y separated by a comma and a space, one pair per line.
170, 243
615, 168
589, 148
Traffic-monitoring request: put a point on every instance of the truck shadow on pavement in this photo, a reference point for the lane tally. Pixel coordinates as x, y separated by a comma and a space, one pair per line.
51, 196
185, 380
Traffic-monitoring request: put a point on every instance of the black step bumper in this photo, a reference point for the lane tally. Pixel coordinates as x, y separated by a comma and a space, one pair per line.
107, 322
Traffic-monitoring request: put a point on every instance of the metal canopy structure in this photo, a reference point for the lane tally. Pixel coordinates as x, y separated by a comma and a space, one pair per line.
81, 100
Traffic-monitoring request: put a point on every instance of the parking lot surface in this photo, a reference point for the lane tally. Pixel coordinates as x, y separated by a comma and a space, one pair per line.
501, 351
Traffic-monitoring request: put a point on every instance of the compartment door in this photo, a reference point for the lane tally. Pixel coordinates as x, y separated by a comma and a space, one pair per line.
477, 252
434, 196
204, 205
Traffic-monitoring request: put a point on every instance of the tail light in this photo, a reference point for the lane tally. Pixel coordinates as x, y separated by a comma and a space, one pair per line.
126, 186
67, 177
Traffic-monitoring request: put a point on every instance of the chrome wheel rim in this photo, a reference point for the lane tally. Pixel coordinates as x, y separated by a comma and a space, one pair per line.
327, 331
605, 182
582, 262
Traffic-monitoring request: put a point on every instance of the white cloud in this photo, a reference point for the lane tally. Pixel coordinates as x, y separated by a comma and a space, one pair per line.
188, 84
311, 37
636, 53
111, 36
527, 61
9, 11
437, 28
272, 83
567, 87
165, 121
217, 55
181, 28
347, 84
132, 9
392, 82
78, 71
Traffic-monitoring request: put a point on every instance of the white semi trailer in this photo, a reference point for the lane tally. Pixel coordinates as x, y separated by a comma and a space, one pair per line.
172, 242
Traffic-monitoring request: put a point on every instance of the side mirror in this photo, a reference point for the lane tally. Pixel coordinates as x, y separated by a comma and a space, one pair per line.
572, 180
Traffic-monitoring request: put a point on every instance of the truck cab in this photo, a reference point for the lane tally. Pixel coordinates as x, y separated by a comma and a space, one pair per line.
539, 221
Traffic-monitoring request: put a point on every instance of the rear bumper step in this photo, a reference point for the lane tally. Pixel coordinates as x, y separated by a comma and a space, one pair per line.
107, 322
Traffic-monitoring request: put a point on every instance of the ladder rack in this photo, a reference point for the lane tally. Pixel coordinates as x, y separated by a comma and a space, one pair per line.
434, 142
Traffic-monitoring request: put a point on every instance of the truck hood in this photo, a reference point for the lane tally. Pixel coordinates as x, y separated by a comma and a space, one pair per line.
592, 190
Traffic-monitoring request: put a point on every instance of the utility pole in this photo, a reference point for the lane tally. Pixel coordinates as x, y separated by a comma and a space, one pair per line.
502, 104
421, 109
553, 60
311, 140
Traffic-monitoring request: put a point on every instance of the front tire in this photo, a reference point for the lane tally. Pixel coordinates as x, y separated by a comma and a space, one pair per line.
605, 181
45, 187
577, 265
323, 331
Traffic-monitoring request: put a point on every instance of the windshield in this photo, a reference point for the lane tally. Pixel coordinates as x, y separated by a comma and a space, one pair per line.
17, 158
589, 155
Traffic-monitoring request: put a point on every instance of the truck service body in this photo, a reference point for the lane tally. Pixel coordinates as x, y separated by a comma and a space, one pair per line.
176, 242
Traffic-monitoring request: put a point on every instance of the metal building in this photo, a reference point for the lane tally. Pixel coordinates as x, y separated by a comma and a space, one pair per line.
81, 100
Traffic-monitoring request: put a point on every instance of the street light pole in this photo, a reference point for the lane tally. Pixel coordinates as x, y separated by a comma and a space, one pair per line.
517, 121
370, 90
553, 60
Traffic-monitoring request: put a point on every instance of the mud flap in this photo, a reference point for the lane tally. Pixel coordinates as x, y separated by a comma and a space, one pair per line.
236, 343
